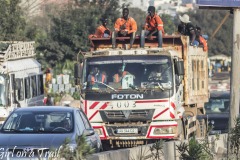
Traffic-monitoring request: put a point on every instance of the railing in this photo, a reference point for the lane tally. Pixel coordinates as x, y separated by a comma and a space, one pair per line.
16, 50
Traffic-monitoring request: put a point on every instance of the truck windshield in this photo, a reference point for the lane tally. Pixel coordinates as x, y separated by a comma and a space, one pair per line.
2, 91
128, 72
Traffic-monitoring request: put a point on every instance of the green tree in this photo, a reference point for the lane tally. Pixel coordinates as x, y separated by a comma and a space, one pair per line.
70, 30
168, 23
11, 20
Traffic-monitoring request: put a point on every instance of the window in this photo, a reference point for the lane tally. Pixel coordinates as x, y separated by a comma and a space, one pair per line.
79, 122
40, 85
33, 86
27, 87
86, 122
20, 91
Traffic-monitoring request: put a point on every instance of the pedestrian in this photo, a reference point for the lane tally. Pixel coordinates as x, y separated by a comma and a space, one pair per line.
48, 101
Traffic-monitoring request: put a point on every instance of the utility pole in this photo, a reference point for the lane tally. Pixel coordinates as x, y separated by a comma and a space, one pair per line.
234, 99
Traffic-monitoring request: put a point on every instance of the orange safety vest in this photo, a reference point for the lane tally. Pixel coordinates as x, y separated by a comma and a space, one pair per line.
100, 31
204, 43
117, 77
130, 23
48, 77
102, 80
153, 23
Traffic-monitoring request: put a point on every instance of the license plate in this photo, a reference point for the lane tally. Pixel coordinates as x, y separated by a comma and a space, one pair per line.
127, 130
216, 132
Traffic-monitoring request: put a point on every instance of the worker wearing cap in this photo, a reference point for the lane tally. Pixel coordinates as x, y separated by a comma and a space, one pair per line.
153, 25
124, 27
186, 28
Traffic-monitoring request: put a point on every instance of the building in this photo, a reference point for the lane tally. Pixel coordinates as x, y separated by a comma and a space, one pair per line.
34, 8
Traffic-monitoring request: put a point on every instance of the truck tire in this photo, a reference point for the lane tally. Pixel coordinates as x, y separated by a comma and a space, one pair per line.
201, 128
142, 39
182, 130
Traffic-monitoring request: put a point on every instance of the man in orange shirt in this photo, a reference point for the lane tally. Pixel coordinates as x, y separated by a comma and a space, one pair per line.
102, 31
124, 26
154, 25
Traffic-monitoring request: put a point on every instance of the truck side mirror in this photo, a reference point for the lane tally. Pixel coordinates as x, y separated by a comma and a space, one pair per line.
179, 68
77, 70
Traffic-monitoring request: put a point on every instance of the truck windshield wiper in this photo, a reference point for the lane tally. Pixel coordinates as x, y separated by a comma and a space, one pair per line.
106, 85
134, 87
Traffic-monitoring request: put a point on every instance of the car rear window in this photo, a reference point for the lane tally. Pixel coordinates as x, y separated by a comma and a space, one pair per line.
217, 105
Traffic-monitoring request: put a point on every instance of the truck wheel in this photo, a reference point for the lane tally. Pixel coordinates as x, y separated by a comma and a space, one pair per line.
181, 130
201, 128
182, 136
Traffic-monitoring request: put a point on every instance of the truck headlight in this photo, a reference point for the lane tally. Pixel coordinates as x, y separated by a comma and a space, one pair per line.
165, 130
98, 131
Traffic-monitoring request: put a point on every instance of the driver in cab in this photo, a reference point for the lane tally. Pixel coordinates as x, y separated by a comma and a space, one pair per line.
160, 73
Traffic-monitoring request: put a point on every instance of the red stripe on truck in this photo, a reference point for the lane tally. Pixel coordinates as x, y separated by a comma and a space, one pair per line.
160, 113
93, 105
151, 101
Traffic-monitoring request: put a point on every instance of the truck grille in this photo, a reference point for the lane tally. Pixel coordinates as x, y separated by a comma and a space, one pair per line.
127, 115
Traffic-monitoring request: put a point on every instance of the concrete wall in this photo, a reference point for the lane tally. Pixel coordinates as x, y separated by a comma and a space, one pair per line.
170, 151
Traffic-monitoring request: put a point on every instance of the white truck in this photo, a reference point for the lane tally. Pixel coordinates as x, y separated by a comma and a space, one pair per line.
141, 109
21, 78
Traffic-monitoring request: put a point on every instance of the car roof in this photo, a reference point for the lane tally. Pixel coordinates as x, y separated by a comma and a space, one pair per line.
220, 94
46, 108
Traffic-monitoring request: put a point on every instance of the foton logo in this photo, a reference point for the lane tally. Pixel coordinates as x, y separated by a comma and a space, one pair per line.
127, 96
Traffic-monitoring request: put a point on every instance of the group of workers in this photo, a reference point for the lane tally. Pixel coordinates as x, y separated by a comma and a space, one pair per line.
160, 72
126, 26
96, 75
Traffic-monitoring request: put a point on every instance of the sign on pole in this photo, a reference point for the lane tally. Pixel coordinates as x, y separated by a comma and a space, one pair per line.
219, 3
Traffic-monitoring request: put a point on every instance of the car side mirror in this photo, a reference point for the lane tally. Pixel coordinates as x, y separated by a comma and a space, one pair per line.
88, 132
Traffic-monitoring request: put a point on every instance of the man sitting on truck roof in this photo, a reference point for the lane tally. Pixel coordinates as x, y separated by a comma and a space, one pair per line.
124, 26
186, 28
102, 31
153, 25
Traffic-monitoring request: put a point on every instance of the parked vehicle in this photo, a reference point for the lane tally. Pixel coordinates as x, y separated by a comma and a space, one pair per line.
141, 109
43, 129
21, 77
217, 112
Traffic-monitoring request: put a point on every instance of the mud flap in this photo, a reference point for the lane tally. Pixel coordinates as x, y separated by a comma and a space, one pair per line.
201, 128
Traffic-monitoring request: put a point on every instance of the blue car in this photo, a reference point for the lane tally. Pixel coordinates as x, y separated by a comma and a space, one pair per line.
217, 112
41, 131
